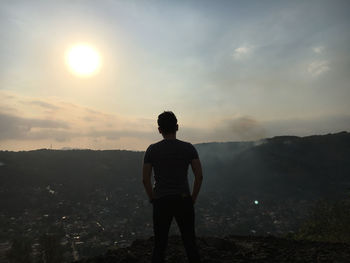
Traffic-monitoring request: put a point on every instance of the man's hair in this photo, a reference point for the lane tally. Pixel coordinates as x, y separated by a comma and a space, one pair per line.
167, 122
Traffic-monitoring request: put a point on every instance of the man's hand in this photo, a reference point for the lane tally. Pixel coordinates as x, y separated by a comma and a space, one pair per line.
198, 178
146, 179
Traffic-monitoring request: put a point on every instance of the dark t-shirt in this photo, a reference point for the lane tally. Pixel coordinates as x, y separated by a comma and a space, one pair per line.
170, 159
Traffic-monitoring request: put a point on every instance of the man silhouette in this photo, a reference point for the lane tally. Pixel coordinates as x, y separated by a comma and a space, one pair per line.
171, 197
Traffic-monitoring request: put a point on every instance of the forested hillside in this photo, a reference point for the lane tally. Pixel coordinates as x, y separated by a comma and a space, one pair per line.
90, 200
288, 165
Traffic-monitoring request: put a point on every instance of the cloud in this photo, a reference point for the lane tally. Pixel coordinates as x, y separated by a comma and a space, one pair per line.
117, 134
318, 49
39, 122
240, 128
237, 128
246, 127
308, 126
19, 128
65, 124
43, 104
242, 52
318, 67
249, 128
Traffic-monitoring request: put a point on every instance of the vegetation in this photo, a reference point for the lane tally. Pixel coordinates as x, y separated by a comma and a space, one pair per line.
21, 251
328, 221
38, 188
50, 248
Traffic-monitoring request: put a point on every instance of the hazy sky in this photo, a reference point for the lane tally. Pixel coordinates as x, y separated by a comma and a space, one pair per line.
230, 71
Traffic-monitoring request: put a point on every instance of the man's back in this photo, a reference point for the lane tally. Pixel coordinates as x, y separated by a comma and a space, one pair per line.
170, 159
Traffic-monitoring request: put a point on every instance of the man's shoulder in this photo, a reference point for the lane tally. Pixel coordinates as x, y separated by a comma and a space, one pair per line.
185, 143
164, 144
153, 145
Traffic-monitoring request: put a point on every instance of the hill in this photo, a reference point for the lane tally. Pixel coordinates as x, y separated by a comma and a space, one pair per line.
91, 200
307, 167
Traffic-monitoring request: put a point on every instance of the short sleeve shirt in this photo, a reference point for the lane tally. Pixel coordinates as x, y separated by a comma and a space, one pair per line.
170, 159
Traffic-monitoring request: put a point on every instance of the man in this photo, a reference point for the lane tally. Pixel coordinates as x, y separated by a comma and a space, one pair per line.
171, 197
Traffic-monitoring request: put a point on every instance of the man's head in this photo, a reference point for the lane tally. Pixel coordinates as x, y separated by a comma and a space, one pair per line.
167, 123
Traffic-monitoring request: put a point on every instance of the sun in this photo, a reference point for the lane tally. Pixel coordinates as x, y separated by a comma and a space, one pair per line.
83, 60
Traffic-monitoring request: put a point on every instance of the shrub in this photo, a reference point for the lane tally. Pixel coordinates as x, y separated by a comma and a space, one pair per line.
328, 221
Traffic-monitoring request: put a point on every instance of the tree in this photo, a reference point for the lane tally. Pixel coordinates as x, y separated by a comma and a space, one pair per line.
20, 251
51, 250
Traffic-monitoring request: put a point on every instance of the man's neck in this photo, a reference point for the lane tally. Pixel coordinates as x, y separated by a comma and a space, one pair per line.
171, 136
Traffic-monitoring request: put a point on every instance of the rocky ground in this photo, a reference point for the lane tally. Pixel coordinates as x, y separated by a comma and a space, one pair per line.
232, 249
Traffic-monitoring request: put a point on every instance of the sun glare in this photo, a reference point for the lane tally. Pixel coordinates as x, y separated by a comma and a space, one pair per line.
83, 60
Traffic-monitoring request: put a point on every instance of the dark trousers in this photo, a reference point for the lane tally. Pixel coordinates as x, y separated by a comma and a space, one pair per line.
164, 209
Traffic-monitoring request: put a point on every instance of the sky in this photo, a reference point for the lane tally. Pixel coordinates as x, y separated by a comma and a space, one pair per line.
229, 70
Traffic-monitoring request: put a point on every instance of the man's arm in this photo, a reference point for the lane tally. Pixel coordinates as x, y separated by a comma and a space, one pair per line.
146, 179
198, 178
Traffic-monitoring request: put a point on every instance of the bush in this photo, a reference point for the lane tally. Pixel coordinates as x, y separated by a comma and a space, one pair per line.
328, 221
